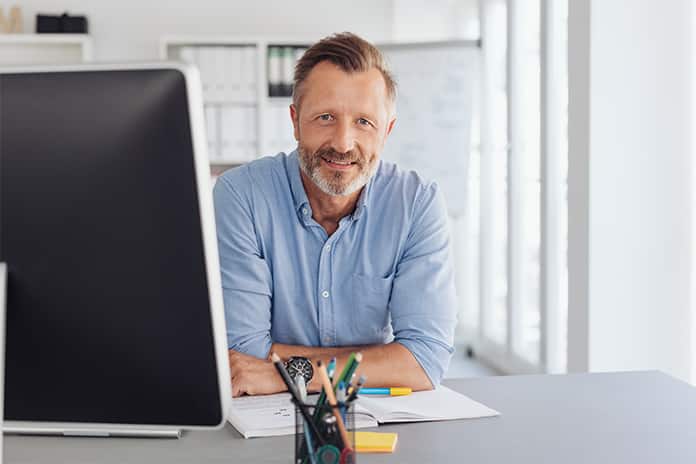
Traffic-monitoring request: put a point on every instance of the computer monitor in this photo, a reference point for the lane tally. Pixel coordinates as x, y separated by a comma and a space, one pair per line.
115, 321
3, 280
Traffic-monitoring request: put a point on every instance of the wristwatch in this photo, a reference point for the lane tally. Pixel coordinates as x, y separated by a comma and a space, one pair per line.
299, 366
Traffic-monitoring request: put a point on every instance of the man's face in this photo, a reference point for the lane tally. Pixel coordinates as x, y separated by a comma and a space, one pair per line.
341, 124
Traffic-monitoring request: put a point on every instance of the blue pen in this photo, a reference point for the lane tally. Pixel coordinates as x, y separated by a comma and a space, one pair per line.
331, 368
341, 399
393, 391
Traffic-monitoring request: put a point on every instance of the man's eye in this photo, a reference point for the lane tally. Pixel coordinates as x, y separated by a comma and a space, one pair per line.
364, 122
326, 117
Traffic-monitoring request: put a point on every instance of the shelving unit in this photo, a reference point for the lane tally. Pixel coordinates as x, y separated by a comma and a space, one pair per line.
242, 125
29, 49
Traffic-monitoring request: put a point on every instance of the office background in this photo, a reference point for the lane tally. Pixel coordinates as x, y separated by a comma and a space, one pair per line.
576, 249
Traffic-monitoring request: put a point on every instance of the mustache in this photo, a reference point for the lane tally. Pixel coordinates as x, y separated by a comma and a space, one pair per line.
333, 155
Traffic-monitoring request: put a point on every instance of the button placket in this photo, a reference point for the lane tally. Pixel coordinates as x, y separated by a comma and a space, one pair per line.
324, 284
327, 329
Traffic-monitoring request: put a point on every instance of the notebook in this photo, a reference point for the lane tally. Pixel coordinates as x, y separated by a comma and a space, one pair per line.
434, 405
272, 415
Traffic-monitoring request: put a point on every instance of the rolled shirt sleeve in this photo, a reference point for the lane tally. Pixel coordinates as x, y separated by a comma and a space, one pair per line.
246, 276
423, 299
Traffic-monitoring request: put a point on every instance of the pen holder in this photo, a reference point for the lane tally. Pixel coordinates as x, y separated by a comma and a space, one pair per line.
329, 448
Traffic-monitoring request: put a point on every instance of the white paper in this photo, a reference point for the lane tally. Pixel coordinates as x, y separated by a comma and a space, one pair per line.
263, 416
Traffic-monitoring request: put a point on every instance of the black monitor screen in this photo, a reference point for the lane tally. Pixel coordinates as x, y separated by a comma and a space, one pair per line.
108, 317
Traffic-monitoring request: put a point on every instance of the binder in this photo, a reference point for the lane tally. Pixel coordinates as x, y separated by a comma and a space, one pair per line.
288, 70
232, 70
238, 133
251, 139
249, 74
207, 68
275, 71
211, 125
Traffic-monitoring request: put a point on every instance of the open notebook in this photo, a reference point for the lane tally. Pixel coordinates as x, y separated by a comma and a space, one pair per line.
270, 415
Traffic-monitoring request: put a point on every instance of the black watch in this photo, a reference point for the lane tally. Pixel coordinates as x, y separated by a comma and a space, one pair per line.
297, 366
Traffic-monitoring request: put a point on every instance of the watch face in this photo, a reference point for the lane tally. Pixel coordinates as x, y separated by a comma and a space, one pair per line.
300, 367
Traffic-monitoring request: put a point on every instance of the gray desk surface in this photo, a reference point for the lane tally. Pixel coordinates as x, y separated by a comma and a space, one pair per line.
634, 417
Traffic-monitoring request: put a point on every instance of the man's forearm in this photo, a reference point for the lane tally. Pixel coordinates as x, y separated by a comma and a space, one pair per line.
313, 352
390, 365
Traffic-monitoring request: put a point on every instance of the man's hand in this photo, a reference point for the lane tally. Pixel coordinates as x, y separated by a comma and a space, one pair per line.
253, 376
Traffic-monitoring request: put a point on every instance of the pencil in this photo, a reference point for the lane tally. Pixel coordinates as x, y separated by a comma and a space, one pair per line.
346, 369
324, 378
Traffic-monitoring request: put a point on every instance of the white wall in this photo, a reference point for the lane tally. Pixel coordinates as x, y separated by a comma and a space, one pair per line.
440, 20
693, 200
630, 166
131, 29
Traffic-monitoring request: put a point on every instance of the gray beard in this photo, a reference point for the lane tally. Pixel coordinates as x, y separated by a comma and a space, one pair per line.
333, 186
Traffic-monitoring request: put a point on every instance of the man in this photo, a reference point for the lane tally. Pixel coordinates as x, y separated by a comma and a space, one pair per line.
328, 250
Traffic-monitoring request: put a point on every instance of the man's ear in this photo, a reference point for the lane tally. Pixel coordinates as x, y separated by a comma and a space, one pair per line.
390, 126
295, 122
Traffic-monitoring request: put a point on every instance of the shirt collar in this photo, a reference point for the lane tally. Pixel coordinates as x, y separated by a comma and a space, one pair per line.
300, 196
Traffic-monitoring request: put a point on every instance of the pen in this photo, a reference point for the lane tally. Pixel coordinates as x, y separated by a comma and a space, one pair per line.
357, 389
393, 391
331, 368
349, 370
328, 388
302, 388
346, 368
295, 395
322, 395
341, 398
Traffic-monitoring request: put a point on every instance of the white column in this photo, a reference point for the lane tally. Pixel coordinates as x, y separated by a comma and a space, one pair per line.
630, 165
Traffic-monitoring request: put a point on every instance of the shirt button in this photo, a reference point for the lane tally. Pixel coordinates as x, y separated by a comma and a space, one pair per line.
325, 294
305, 211
327, 248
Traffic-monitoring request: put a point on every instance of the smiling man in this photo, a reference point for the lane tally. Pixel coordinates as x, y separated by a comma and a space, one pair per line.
328, 250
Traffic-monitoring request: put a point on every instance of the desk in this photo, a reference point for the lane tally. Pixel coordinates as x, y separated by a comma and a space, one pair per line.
633, 417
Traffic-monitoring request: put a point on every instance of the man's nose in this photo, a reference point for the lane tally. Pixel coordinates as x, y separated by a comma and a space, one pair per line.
344, 138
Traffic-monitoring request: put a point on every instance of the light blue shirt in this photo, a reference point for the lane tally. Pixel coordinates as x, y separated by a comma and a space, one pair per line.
384, 275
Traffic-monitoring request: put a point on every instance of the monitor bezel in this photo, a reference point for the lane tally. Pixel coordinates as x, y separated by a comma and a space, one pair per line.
208, 234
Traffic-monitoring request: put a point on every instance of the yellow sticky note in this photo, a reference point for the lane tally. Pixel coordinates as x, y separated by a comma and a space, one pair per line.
375, 442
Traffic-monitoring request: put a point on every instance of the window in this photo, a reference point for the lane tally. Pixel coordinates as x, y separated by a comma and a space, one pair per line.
515, 231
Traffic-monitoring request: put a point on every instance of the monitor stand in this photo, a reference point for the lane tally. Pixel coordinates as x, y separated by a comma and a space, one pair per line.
28, 428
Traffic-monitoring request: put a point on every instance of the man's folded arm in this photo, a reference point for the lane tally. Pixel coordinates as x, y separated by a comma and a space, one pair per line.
246, 277
423, 301
390, 365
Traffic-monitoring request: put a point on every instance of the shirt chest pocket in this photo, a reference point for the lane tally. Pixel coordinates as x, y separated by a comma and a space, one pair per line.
370, 318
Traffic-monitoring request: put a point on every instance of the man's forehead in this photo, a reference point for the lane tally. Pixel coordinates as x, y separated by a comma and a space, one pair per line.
327, 83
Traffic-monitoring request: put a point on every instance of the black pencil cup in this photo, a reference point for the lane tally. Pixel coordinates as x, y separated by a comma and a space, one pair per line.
324, 441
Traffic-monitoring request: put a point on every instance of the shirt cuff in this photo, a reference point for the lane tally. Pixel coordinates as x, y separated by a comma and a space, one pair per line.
432, 355
259, 347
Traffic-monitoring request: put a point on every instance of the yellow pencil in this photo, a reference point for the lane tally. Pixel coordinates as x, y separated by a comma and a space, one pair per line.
328, 389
